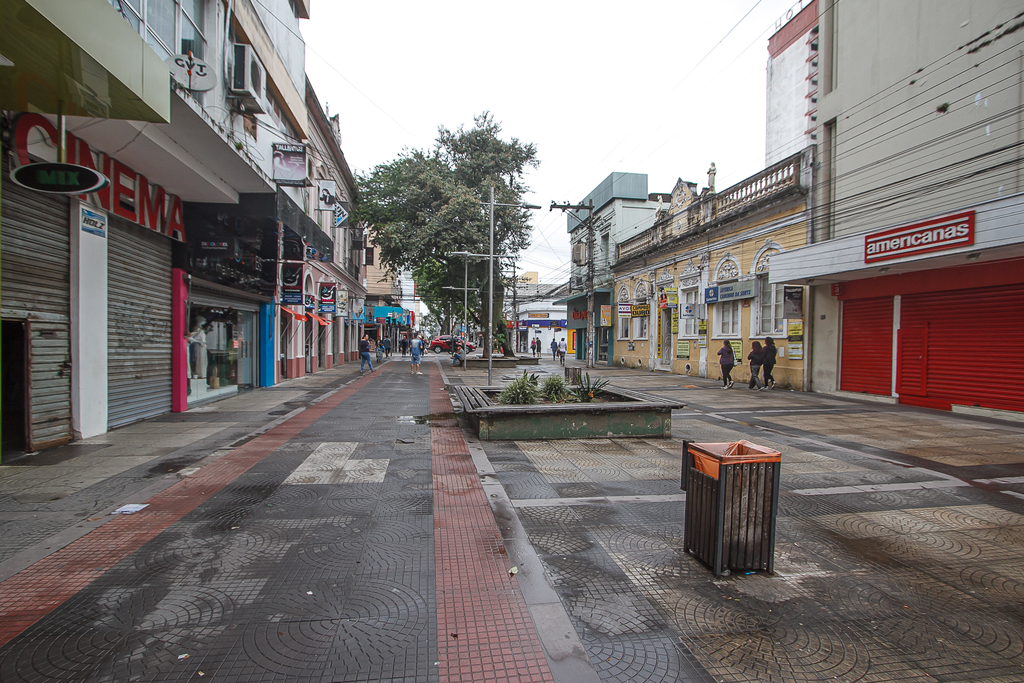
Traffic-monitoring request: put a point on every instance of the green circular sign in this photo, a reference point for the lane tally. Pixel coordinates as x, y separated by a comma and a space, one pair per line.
59, 178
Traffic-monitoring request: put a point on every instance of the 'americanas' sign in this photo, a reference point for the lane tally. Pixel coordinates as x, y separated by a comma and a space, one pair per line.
948, 232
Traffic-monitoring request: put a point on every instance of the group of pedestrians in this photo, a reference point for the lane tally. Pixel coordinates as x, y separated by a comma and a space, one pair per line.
762, 360
416, 345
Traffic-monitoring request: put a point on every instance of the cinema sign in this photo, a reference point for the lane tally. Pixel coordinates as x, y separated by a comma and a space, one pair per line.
129, 194
948, 232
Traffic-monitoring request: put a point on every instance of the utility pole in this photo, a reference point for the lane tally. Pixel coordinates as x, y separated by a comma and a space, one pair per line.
590, 350
515, 310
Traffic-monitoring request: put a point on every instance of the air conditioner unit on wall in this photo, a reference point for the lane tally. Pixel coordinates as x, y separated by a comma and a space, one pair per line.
579, 253
248, 79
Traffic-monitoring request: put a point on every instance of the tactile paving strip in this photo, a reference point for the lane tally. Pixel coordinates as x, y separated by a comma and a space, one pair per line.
485, 630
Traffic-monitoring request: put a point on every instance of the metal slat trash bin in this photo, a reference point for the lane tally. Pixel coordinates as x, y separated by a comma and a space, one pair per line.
732, 501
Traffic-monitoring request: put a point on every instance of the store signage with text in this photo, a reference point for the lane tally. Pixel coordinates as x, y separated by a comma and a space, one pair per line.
92, 221
328, 298
625, 311
537, 315
578, 314
606, 315
949, 232
129, 194
735, 290
640, 310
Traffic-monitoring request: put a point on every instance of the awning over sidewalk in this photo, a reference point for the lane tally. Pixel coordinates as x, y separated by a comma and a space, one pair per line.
317, 318
297, 316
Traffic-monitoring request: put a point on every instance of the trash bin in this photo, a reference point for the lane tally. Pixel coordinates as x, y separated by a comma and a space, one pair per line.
732, 501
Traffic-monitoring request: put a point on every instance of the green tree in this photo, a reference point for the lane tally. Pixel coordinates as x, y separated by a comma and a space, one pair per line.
424, 205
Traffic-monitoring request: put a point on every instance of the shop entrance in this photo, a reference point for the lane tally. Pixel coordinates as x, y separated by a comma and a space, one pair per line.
220, 351
667, 347
309, 345
14, 395
321, 347
284, 346
602, 343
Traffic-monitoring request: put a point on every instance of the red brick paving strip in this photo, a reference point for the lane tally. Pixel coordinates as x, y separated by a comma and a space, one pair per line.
484, 629
32, 593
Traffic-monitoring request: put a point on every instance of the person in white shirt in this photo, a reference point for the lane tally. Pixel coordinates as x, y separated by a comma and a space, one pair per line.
562, 348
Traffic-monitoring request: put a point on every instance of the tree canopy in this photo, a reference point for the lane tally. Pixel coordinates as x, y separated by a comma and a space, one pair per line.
426, 204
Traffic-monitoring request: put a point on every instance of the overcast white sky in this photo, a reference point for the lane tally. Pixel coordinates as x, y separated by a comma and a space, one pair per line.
597, 86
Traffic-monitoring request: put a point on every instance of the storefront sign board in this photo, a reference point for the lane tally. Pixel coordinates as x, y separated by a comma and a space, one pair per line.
92, 221
734, 290
948, 232
606, 315
640, 310
682, 349
625, 311
796, 350
792, 302
795, 333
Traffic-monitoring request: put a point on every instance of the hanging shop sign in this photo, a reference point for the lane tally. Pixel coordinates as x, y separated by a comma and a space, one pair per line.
54, 178
129, 194
328, 298
948, 232
309, 302
92, 221
291, 284
640, 310
625, 311
792, 302
326, 195
193, 74
290, 164
341, 213
343, 302
606, 315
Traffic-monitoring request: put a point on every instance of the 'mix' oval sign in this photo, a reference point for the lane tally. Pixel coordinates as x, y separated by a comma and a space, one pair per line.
59, 178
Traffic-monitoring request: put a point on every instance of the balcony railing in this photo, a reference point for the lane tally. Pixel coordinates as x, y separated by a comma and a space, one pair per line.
772, 181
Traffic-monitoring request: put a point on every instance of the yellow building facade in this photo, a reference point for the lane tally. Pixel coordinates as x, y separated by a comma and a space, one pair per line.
699, 278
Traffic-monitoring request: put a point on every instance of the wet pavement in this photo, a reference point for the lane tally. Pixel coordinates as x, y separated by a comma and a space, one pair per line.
351, 528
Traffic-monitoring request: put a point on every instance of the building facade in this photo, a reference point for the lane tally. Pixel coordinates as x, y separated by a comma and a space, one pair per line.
700, 277
917, 231
623, 208
791, 102
198, 271
539, 317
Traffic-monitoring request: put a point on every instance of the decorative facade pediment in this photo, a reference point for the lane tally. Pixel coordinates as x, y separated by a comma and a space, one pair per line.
728, 268
761, 262
623, 294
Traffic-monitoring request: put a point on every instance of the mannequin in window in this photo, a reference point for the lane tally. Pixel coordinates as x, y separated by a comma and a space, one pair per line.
197, 348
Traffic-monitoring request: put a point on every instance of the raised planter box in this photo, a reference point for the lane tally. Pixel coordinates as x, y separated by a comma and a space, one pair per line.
500, 362
637, 414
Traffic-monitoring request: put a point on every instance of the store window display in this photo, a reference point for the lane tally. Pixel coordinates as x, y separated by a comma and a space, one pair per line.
220, 352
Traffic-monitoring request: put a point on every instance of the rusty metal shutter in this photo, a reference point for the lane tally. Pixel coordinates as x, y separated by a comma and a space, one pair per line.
982, 372
138, 323
36, 288
866, 346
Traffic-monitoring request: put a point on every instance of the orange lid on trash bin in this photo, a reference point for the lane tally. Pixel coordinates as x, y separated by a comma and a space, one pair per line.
708, 456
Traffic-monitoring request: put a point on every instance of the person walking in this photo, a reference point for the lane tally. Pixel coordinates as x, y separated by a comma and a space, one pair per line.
727, 359
533, 346
771, 352
387, 346
403, 345
554, 349
562, 348
756, 358
416, 349
364, 353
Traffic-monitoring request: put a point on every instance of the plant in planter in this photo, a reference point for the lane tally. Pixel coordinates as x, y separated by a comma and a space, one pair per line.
589, 389
556, 390
520, 391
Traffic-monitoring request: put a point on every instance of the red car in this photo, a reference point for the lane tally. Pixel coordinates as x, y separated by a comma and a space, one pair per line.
444, 343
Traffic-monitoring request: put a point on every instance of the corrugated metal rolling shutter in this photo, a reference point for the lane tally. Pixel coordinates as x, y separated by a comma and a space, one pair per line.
36, 286
984, 371
866, 347
138, 323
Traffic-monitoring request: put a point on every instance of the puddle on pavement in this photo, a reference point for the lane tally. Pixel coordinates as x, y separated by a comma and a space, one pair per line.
171, 466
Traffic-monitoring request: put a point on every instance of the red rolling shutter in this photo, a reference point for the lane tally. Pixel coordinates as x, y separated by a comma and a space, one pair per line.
971, 355
866, 346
